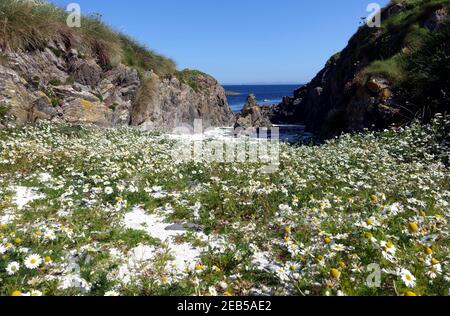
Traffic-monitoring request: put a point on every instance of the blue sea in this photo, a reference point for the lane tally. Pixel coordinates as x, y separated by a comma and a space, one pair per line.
265, 94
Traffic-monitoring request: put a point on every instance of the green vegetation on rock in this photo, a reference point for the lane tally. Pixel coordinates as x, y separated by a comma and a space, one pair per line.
33, 25
190, 77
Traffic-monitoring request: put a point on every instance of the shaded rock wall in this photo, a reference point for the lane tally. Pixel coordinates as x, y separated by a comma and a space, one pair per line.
344, 97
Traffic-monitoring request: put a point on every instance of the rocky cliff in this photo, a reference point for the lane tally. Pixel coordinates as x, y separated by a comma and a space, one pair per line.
59, 84
386, 75
91, 73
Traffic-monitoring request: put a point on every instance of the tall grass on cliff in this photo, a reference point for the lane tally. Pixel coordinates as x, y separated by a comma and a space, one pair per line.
138, 56
32, 25
412, 54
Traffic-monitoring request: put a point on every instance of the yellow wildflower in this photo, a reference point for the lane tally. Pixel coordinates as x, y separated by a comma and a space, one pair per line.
335, 273
413, 228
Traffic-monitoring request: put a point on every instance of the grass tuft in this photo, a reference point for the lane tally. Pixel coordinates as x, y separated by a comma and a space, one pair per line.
32, 25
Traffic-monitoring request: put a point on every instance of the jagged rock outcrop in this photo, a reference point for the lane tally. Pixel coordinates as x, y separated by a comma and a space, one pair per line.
56, 83
367, 84
166, 103
253, 116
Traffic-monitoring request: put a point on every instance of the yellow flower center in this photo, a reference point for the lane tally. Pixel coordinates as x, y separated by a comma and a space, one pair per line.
408, 277
33, 261
335, 273
369, 221
368, 235
198, 267
47, 259
428, 251
389, 245
327, 240
434, 261
17, 240
16, 293
413, 228
409, 293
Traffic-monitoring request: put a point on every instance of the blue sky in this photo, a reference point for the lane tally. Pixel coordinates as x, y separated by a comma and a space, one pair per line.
238, 41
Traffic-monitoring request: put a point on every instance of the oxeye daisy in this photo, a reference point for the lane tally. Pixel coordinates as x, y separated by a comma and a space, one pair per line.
36, 293
3, 249
33, 261
434, 268
212, 291
338, 247
109, 190
12, 268
370, 223
408, 278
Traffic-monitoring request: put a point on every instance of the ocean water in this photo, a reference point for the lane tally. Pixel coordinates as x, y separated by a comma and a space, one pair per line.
265, 94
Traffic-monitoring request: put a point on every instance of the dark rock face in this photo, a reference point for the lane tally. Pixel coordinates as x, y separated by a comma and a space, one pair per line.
437, 18
253, 116
343, 97
62, 86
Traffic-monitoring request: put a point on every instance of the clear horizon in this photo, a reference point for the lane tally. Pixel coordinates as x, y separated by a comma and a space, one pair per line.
256, 42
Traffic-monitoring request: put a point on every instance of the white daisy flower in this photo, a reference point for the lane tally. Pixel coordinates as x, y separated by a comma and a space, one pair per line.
109, 190
388, 247
12, 268
112, 293
369, 224
36, 293
50, 234
3, 249
447, 277
434, 269
408, 278
338, 247
212, 291
393, 209
33, 261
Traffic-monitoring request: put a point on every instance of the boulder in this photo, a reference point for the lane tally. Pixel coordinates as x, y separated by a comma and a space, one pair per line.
84, 111
377, 84
87, 73
253, 115
42, 109
166, 103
